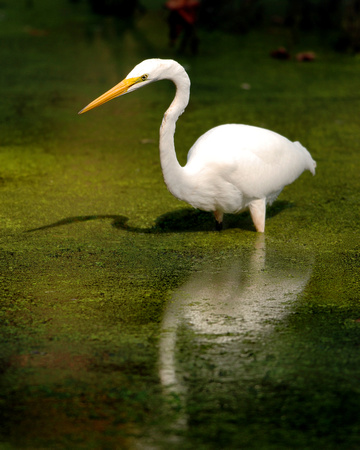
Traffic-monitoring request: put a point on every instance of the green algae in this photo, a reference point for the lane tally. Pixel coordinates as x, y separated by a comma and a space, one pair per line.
93, 247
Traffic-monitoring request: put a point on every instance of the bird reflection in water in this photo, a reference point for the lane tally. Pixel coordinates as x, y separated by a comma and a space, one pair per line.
225, 303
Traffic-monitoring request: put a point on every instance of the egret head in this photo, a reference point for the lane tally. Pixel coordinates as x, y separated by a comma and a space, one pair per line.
141, 75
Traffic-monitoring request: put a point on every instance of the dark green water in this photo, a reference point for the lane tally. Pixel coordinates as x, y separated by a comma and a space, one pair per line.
128, 322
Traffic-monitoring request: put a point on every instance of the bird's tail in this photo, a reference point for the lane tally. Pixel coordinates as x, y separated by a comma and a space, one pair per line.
311, 164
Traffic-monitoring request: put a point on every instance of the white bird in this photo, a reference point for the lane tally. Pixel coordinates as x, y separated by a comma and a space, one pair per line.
229, 168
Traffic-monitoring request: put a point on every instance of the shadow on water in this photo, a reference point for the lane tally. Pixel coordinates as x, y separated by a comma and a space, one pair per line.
181, 220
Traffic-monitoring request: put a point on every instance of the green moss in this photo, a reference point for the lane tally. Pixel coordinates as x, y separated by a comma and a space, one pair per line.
95, 250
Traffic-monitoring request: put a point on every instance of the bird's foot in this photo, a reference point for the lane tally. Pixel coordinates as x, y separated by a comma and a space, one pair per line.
219, 220
218, 226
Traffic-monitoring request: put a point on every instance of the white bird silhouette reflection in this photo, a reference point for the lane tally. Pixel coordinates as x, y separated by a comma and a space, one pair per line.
229, 300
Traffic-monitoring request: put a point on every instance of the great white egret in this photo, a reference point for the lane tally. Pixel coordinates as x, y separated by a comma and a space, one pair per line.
229, 168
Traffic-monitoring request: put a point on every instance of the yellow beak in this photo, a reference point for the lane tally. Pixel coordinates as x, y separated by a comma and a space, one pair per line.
116, 91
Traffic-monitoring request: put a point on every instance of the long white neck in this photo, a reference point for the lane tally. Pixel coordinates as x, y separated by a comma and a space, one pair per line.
172, 171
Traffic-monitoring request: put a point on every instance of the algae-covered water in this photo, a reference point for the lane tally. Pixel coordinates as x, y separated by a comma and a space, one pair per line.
126, 320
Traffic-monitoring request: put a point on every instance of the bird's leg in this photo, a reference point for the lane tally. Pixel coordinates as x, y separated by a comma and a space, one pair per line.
219, 220
258, 213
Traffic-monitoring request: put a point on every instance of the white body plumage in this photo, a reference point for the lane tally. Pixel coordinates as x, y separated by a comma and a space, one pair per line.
254, 164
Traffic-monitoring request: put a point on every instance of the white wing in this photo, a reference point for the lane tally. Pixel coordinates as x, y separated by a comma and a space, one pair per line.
257, 161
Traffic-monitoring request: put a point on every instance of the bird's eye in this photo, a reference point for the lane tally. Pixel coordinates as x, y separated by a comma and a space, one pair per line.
144, 77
